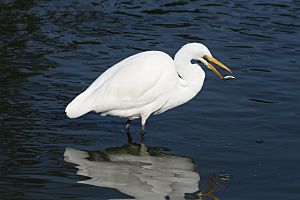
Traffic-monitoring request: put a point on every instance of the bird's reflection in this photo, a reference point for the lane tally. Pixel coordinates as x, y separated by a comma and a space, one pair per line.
148, 173
138, 171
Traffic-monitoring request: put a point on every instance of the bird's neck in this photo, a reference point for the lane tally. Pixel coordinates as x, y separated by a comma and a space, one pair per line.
191, 76
191, 73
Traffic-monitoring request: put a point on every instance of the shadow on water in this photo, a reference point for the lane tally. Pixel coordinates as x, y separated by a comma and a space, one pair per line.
144, 172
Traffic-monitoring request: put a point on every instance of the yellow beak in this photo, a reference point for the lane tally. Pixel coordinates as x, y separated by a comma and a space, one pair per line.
212, 59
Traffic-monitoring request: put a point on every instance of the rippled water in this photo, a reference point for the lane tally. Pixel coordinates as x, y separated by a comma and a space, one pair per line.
241, 138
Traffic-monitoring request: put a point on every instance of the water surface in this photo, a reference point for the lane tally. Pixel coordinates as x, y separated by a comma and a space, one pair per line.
247, 129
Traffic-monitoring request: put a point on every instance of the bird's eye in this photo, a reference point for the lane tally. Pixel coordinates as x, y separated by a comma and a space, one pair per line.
205, 58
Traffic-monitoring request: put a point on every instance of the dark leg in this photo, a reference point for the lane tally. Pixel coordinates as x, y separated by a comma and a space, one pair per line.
143, 123
127, 131
127, 126
142, 133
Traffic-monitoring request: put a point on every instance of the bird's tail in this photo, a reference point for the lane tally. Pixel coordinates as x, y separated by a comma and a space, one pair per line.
81, 105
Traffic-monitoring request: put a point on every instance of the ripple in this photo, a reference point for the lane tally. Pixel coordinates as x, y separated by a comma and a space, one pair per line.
272, 5
239, 46
260, 70
178, 25
52, 50
174, 4
262, 101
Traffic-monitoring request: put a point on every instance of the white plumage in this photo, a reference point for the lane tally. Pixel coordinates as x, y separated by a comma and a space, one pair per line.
145, 83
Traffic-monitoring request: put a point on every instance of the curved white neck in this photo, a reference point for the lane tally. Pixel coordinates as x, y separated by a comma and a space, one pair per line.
190, 81
192, 75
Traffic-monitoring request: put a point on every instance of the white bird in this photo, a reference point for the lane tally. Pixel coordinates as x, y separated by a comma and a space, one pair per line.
145, 83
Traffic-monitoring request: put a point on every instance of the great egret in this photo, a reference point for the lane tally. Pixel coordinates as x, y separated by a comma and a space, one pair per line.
145, 83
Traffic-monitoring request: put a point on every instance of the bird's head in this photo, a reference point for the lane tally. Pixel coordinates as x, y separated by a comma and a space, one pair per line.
201, 53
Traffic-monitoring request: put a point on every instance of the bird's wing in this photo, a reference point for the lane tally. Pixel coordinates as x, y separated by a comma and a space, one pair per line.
111, 71
137, 82
129, 84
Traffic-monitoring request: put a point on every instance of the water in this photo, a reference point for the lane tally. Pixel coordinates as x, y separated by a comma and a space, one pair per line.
237, 139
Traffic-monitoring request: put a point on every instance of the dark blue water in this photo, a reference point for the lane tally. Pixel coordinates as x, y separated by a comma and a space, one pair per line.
236, 140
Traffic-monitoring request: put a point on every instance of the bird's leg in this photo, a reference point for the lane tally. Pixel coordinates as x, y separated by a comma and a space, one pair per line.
127, 126
142, 133
143, 123
127, 131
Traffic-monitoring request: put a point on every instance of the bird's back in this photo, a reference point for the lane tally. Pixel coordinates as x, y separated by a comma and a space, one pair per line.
128, 87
